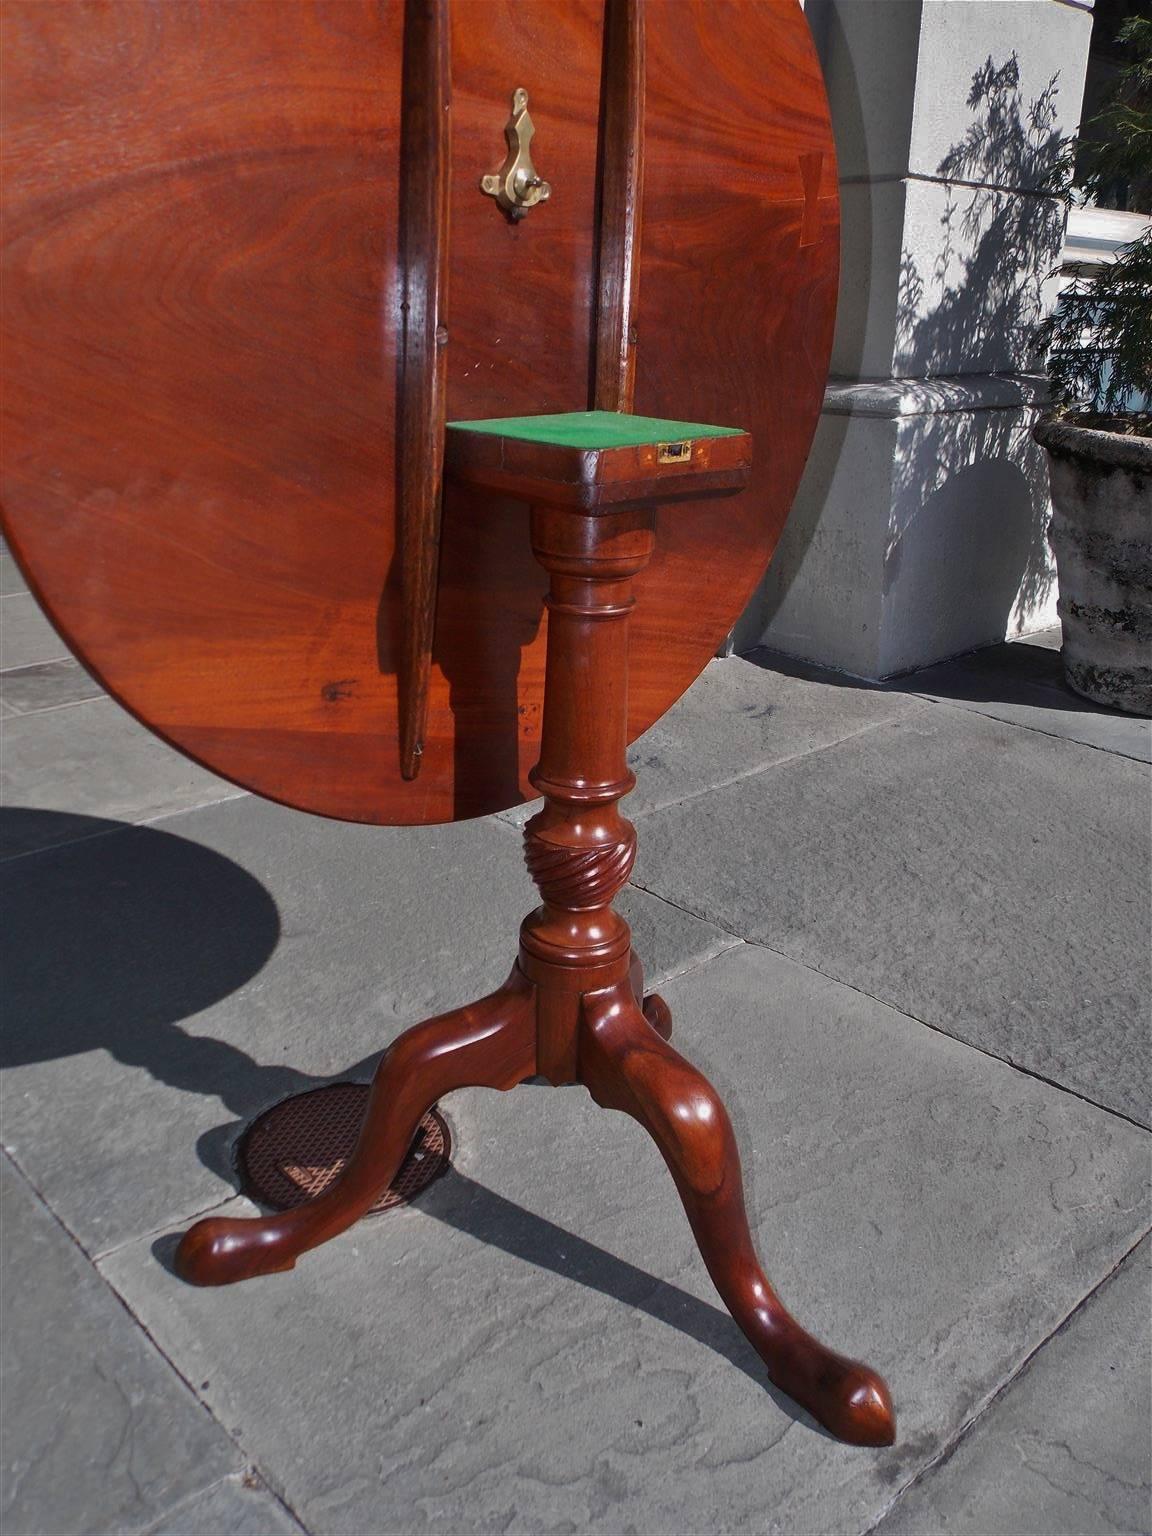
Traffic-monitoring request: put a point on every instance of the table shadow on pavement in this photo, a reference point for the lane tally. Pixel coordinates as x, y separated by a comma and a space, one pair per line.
109, 941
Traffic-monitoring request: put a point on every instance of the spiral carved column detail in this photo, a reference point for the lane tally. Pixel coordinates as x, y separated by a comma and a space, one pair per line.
579, 878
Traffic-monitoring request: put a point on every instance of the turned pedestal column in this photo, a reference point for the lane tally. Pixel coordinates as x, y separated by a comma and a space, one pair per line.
573, 1008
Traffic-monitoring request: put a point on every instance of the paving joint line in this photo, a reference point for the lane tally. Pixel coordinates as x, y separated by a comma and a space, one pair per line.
737, 938
98, 1256
242, 1477
44, 661
68, 842
884, 1002
47, 709
247, 1461
938, 1029
782, 762
971, 707
116, 831
664, 978
949, 1449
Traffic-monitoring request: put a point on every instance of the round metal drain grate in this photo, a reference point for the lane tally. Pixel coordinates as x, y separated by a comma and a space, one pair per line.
293, 1151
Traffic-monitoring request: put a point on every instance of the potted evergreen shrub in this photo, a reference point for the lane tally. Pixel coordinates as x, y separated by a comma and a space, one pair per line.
1099, 438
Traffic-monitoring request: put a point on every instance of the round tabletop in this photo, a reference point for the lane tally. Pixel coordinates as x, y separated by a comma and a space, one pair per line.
201, 318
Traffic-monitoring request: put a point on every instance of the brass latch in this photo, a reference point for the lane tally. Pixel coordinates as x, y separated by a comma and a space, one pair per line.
516, 186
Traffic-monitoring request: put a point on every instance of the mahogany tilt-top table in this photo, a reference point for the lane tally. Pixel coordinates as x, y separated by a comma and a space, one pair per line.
573, 1009
295, 368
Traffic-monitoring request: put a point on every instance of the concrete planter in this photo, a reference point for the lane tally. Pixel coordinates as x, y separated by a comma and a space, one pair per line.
1101, 535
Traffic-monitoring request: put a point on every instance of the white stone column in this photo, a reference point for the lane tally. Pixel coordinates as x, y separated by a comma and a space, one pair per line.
919, 528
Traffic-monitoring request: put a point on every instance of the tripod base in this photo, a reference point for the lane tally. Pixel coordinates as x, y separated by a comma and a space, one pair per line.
625, 1062
295, 1149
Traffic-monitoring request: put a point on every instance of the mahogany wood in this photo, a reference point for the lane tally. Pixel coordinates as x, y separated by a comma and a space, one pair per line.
425, 185
571, 1010
201, 308
621, 199
626, 1065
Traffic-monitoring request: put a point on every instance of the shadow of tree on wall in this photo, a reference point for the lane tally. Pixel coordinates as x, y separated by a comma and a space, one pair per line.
976, 313
998, 242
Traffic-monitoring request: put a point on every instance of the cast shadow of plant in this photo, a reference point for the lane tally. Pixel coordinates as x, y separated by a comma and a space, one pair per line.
976, 312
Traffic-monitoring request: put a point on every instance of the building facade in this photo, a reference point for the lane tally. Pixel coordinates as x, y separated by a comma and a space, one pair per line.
919, 530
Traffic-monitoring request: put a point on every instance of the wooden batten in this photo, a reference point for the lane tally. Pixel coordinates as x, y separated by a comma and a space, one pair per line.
421, 405
621, 190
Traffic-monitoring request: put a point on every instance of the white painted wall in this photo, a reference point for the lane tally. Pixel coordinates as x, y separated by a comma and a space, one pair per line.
919, 529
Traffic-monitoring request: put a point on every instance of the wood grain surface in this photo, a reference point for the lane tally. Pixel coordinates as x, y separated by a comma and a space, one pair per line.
201, 323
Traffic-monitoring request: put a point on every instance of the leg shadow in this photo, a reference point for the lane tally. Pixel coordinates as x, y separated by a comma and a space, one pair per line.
459, 1202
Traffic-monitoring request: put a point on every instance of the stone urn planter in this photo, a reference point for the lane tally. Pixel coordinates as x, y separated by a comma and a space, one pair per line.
1101, 536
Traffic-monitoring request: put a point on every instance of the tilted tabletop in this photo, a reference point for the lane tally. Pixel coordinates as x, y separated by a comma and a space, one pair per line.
234, 333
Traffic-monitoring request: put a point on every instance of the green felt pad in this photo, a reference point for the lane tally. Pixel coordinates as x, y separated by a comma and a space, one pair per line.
593, 429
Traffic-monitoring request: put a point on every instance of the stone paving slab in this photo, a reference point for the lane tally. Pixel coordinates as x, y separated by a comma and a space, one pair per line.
988, 880
99, 1433
1050, 639
1067, 1446
535, 1346
47, 685
163, 985
738, 718
93, 759
26, 636
1023, 683
10, 578
233, 1508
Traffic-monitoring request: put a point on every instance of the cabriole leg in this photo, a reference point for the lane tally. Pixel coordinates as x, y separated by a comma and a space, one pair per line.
653, 1007
489, 1044
627, 1066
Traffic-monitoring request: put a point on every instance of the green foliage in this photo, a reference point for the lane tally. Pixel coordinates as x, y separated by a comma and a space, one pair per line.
1121, 145
1099, 340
